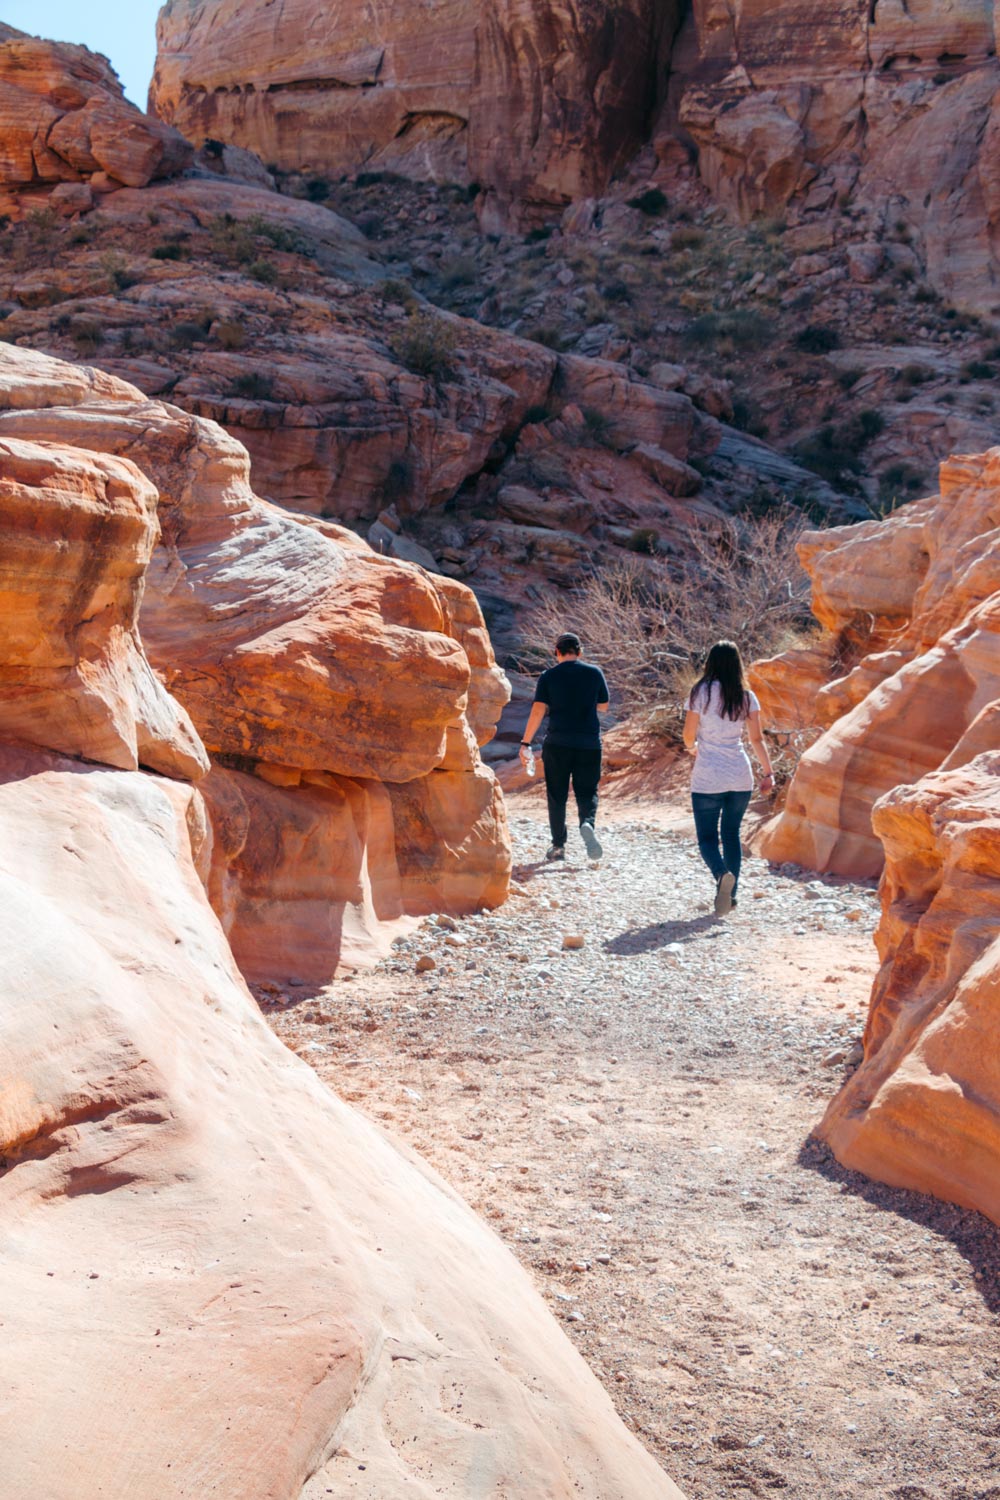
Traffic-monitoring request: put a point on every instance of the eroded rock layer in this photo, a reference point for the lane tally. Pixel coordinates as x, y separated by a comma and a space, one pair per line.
324, 673
923, 1110
536, 101
911, 607
197, 1229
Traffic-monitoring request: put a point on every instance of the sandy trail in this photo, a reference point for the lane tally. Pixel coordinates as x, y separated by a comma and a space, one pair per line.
633, 1119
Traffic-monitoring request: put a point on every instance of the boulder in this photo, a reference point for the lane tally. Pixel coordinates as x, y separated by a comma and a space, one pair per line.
77, 533
923, 1110
63, 117
198, 1228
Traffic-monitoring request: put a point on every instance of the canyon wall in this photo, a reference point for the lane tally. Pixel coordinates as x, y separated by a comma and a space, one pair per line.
923, 1109
860, 116
537, 101
911, 612
320, 678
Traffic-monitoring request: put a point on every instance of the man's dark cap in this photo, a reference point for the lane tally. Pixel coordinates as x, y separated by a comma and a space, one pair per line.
568, 644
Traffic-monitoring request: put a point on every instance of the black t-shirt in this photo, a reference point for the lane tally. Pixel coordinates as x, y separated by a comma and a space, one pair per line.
572, 690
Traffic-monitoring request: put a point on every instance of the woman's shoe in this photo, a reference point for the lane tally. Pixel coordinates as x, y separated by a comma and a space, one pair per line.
724, 893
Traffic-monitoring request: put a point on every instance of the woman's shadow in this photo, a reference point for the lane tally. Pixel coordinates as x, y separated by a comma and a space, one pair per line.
659, 934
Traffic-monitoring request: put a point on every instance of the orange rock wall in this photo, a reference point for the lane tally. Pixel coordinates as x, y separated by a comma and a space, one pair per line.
538, 101
327, 676
923, 589
923, 1110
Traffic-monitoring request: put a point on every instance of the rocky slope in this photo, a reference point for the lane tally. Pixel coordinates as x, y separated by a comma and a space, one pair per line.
198, 1229
911, 611
857, 118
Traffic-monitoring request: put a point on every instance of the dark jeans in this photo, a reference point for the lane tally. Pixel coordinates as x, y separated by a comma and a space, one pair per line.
712, 809
564, 764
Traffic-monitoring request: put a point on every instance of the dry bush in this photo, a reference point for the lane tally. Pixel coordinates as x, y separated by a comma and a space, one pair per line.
650, 629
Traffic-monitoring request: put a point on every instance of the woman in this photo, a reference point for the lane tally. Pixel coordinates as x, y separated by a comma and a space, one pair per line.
719, 708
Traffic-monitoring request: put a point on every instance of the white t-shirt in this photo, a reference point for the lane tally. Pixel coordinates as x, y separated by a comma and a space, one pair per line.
721, 764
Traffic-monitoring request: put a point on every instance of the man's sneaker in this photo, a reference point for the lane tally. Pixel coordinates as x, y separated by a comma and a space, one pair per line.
555, 851
591, 840
724, 893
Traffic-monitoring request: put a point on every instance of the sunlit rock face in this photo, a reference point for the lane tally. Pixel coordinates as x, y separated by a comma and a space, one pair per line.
536, 101
923, 1110
341, 695
914, 602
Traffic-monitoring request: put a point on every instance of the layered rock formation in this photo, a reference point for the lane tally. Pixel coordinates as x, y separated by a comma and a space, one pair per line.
199, 1231
923, 1110
65, 123
330, 673
536, 102
885, 111
914, 603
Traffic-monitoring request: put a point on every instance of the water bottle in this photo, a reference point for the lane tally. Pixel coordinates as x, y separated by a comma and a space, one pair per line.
529, 762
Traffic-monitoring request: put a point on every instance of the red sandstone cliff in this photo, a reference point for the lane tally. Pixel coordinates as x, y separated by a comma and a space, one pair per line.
860, 115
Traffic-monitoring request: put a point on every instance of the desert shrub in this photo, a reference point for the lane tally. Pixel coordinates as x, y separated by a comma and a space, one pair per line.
817, 338
748, 417
462, 271
741, 329
317, 189
978, 369
848, 378
653, 202
650, 632
834, 451
265, 271
115, 268
190, 331
644, 539
399, 292
87, 334
899, 482
912, 375
616, 291
170, 250
425, 344
548, 334
254, 385
536, 414
538, 235
687, 238
231, 334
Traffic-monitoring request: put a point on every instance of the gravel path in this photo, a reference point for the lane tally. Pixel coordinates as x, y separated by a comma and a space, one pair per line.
633, 1118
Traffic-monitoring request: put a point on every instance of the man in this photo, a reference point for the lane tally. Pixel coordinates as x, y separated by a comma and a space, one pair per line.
574, 695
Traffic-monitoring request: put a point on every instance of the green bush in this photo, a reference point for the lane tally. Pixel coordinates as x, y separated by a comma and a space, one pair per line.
87, 334
597, 425
170, 250
425, 344
539, 234
399, 292
687, 238
978, 369
653, 202
742, 328
817, 338
191, 331
644, 539
265, 271
462, 271
253, 385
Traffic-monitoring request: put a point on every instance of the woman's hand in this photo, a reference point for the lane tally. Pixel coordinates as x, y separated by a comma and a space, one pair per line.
767, 782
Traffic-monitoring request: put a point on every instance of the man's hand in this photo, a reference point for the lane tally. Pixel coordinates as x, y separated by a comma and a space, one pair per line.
522, 755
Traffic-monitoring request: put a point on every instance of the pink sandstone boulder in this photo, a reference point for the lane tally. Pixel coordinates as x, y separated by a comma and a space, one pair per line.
342, 695
222, 1278
923, 1110
914, 602
76, 534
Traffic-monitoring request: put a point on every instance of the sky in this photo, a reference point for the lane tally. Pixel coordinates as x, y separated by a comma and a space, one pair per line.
124, 30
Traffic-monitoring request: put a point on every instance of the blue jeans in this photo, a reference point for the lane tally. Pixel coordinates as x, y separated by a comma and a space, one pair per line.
716, 812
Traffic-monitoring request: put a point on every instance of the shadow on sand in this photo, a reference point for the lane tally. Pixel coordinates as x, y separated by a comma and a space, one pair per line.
659, 934
973, 1235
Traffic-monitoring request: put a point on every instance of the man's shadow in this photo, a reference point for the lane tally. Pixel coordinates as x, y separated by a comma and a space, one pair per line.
659, 934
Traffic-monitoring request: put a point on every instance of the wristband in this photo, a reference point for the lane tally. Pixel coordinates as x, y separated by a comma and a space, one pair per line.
525, 744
